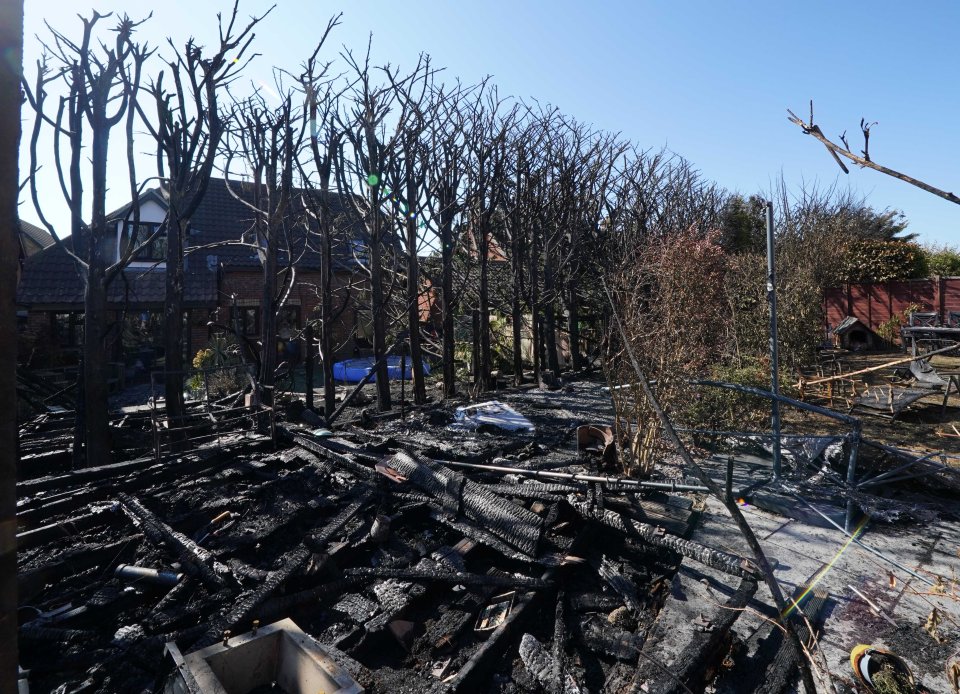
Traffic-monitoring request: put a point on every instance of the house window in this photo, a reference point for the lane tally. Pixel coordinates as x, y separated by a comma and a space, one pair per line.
363, 330
288, 322
67, 329
246, 319
154, 251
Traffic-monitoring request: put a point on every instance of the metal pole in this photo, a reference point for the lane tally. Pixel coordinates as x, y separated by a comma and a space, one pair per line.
577, 477
729, 487
852, 478
774, 352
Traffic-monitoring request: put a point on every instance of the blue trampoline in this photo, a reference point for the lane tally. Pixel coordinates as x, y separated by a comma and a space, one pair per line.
354, 370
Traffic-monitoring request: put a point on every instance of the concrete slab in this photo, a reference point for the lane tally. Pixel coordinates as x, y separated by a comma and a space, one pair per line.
802, 549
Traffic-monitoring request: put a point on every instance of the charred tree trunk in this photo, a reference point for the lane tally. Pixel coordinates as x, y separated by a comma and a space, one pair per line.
573, 325
483, 375
475, 351
516, 297
377, 307
550, 313
326, 325
268, 319
535, 310
413, 303
516, 320
308, 364
11, 36
324, 164
95, 347
446, 282
173, 318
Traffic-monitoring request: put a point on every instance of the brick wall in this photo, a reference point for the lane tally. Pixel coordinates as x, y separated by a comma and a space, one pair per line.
248, 288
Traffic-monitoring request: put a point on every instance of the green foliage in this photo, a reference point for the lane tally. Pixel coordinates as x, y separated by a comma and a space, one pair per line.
943, 260
219, 359
743, 225
871, 260
728, 410
889, 330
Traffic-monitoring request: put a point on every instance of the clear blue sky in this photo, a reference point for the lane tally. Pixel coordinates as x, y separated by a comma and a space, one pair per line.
709, 80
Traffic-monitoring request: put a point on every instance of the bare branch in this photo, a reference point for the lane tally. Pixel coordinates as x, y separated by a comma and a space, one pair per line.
836, 151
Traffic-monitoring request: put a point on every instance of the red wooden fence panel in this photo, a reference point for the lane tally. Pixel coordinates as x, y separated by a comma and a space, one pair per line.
877, 303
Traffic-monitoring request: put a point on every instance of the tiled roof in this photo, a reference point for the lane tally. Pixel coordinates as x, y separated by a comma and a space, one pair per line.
50, 276
41, 237
222, 218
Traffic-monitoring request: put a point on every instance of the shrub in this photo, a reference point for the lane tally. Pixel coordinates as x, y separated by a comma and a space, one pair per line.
943, 260
728, 410
871, 260
222, 356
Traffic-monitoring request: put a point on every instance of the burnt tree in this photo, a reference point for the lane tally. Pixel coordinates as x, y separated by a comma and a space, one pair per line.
325, 141
11, 36
266, 141
100, 82
188, 130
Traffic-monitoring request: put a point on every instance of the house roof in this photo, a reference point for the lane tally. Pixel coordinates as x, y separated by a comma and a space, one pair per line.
848, 324
222, 218
50, 277
32, 234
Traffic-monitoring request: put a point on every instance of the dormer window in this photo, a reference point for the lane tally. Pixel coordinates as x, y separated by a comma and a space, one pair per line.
154, 251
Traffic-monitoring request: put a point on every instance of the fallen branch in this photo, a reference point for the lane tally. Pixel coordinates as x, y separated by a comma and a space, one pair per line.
885, 365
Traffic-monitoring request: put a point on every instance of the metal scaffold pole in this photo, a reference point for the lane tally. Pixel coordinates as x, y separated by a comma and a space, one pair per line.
774, 352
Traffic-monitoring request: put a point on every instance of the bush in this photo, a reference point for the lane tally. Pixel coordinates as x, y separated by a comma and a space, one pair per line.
943, 260
728, 410
871, 260
222, 355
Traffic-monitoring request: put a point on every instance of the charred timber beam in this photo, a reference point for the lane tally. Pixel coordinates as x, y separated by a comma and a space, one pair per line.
559, 643
704, 646
34, 632
621, 585
480, 536
195, 559
622, 645
279, 607
65, 528
31, 583
295, 560
466, 679
594, 602
544, 667
782, 669
515, 525
40, 508
625, 483
158, 617
714, 558
82, 476
344, 460
463, 578
538, 492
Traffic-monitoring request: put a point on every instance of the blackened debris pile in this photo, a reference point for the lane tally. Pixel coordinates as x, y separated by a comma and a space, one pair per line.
418, 575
